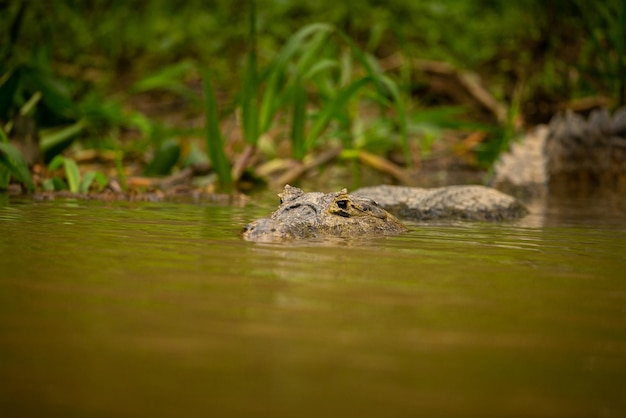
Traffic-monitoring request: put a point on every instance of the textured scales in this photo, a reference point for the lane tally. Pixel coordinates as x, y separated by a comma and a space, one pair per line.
472, 202
314, 215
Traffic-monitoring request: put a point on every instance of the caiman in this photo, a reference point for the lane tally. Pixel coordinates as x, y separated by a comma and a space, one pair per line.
570, 156
316, 215
339, 214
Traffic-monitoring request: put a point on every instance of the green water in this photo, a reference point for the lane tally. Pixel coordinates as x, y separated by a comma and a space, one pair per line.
162, 311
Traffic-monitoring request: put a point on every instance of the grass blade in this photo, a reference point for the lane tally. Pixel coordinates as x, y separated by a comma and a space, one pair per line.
72, 174
119, 166
164, 159
313, 50
56, 137
88, 178
298, 145
334, 108
320, 66
297, 41
401, 115
215, 143
169, 79
13, 162
276, 80
270, 99
7, 92
380, 80
5, 175
54, 95
249, 106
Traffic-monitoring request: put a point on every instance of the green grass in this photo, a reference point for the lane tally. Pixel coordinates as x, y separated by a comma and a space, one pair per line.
314, 79
12, 164
305, 69
76, 183
214, 140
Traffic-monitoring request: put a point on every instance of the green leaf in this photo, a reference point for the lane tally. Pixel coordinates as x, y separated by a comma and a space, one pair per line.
7, 93
89, 178
165, 158
56, 163
58, 184
164, 78
3, 136
54, 93
298, 144
29, 106
58, 136
277, 69
312, 51
401, 115
119, 165
85, 184
48, 185
249, 105
318, 67
5, 176
72, 174
334, 108
13, 162
297, 42
169, 78
269, 102
215, 143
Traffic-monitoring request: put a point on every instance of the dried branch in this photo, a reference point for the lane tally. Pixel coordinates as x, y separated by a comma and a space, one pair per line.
242, 162
383, 165
470, 81
296, 172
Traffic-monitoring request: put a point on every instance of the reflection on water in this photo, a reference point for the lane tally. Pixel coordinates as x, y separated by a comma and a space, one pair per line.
161, 310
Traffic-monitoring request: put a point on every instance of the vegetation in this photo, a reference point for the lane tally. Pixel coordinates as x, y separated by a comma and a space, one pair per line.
105, 89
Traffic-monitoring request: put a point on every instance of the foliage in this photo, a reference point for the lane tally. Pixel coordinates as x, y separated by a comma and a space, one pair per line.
311, 67
75, 182
165, 158
77, 69
605, 24
12, 164
315, 65
215, 142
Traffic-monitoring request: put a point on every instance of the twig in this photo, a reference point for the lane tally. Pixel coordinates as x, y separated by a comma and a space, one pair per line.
274, 166
584, 104
302, 168
181, 177
385, 166
468, 80
471, 82
242, 162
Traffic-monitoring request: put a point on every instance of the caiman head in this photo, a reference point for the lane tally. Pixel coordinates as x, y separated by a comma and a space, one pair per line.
315, 215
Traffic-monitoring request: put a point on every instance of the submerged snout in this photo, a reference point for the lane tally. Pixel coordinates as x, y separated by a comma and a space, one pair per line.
264, 230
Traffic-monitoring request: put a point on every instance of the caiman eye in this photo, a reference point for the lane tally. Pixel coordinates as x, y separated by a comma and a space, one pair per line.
343, 204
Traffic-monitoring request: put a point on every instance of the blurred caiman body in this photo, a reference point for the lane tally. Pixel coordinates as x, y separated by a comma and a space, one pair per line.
362, 214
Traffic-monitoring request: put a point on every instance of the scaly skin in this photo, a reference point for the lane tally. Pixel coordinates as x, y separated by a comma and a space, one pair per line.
315, 215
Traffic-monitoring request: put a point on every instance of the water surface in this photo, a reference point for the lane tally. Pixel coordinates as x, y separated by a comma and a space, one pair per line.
161, 310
